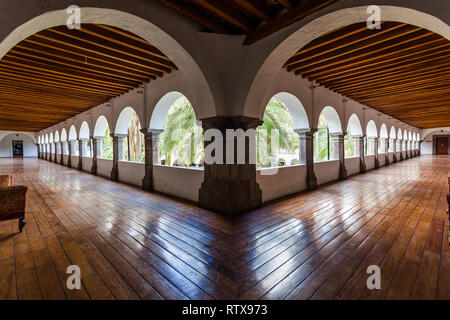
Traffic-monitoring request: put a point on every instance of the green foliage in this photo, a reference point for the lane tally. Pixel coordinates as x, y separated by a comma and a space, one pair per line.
136, 141
276, 118
349, 145
321, 141
107, 145
182, 139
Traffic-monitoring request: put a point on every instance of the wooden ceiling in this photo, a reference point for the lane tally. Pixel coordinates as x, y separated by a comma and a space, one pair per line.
255, 18
399, 69
58, 73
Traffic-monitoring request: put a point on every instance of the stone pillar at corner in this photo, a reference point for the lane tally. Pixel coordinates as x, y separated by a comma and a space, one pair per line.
231, 188
359, 152
339, 153
394, 149
96, 152
306, 155
118, 141
400, 142
69, 157
38, 148
386, 152
151, 156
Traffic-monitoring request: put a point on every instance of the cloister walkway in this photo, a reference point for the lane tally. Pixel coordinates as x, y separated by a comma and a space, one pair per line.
131, 244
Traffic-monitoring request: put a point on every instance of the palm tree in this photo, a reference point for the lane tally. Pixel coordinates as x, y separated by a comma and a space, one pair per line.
277, 121
182, 138
181, 141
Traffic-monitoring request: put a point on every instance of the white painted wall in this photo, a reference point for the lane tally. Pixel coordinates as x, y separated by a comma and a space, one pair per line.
287, 180
87, 164
104, 167
382, 159
426, 147
132, 172
29, 147
326, 171
352, 165
74, 161
178, 181
369, 161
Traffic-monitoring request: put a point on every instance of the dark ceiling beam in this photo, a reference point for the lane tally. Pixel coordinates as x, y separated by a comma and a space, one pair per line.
303, 10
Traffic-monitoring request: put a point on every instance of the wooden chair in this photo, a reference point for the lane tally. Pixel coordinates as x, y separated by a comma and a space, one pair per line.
12, 201
5, 181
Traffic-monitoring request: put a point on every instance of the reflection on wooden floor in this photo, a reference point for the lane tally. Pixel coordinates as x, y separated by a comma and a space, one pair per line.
132, 244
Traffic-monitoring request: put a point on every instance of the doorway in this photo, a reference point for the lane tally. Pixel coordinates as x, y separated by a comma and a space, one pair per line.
17, 148
442, 145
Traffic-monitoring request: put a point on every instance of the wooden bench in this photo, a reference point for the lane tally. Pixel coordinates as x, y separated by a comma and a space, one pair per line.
12, 201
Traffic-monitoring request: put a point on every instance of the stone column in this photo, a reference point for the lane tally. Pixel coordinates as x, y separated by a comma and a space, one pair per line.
339, 153
96, 152
118, 141
375, 151
418, 147
69, 157
359, 151
306, 156
394, 148
231, 188
38, 148
55, 159
400, 142
386, 152
61, 150
151, 156
81, 153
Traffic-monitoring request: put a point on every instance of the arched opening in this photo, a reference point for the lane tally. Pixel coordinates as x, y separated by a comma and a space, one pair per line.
354, 129
276, 137
392, 136
26, 149
51, 143
328, 124
383, 136
405, 140
371, 132
181, 141
85, 140
128, 128
74, 141
103, 134
63, 139
57, 140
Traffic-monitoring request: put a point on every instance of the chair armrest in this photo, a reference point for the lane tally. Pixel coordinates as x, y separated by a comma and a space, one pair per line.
12, 201
5, 181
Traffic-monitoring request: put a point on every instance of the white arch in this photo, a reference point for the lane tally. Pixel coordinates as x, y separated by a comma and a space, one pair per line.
123, 121
333, 120
63, 135
84, 131
354, 126
100, 127
72, 133
290, 44
50, 138
296, 109
39, 140
145, 29
383, 132
46, 138
56, 136
410, 136
161, 109
371, 129
392, 133
405, 135
399, 134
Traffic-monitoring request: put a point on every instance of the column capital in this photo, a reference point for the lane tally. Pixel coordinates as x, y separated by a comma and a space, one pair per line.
118, 135
151, 131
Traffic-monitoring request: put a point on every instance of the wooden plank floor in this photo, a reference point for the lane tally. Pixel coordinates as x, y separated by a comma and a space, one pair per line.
131, 244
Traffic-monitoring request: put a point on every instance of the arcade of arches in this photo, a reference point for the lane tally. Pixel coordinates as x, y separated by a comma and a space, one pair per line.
108, 125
